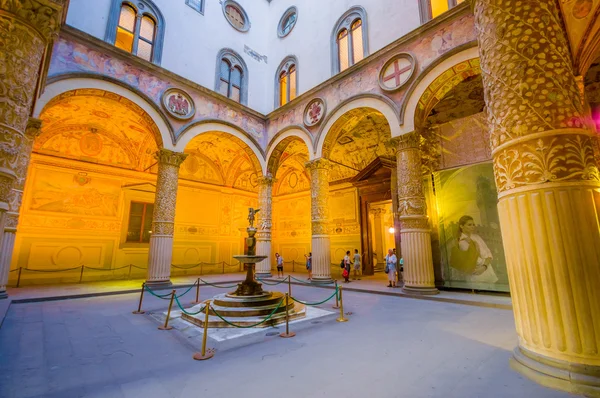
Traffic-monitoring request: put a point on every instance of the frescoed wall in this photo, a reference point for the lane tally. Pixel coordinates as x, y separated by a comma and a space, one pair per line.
470, 237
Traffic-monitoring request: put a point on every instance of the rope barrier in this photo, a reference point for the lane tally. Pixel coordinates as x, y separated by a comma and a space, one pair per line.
319, 303
249, 326
180, 267
51, 270
161, 296
301, 281
271, 284
186, 312
217, 286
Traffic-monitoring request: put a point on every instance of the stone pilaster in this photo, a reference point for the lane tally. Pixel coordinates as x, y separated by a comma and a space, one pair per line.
319, 217
412, 212
549, 191
163, 219
7, 240
264, 224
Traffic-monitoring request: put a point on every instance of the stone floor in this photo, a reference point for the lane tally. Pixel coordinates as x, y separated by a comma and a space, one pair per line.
391, 347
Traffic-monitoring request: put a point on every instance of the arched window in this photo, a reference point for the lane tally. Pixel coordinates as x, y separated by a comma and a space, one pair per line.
349, 41
136, 27
286, 81
232, 76
432, 8
287, 22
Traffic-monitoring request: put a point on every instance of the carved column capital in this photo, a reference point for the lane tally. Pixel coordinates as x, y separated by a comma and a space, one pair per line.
320, 163
33, 129
170, 158
406, 141
267, 180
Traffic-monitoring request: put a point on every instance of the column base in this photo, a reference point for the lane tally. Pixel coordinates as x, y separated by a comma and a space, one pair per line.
321, 281
263, 275
553, 373
425, 291
3, 294
159, 284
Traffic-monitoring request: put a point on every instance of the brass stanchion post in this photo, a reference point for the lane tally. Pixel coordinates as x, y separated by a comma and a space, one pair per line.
81, 275
223, 267
337, 298
341, 318
139, 310
19, 277
129, 276
166, 325
197, 292
287, 333
202, 355
290, 285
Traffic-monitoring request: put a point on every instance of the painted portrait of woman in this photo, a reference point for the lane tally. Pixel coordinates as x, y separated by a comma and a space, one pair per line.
471, 255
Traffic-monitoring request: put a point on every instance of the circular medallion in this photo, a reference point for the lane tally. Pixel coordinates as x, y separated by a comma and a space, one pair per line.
582, 8
191, 164
396, 71
314, 112
178, 103
293, 181
90, 144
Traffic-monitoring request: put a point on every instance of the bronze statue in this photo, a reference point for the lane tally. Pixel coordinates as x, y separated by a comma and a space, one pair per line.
251, 213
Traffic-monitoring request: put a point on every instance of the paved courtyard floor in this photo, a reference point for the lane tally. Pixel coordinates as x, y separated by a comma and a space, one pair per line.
391, 347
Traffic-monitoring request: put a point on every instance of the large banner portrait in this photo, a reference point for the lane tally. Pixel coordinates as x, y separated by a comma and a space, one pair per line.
470, 238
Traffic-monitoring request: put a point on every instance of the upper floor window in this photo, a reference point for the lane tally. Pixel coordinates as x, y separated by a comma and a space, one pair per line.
287, 22
432, 8
232, 76
287, 81
349, 44
139, 228
197, 5
136, 27
236, 16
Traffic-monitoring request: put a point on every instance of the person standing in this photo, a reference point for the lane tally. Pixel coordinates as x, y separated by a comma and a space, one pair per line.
309, 265
346, 272
356, 265
390, 267
279, 264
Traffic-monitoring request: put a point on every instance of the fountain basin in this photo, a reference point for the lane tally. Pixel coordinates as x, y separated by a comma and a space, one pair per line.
249, 259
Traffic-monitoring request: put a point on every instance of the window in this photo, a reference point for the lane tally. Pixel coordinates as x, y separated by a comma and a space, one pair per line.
139, 228
349, 43
286, 81
232, 76
287, 22
432, 8
236, 16
136, 27
197, 5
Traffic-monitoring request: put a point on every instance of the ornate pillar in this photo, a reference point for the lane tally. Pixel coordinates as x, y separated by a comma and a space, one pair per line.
319, 217
414, 225
7, 240
263, 237
548, 189
163, 219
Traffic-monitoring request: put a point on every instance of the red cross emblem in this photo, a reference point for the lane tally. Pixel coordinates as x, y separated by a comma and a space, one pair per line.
396, 73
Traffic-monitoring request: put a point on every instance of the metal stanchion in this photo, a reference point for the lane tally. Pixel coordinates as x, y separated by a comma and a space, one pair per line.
337, 300
202, 355
166, 325
19, 277
341, 318
129, 276
293, 265
289, 285
197, 301
139, 310
223, 267
287, 333
81, 275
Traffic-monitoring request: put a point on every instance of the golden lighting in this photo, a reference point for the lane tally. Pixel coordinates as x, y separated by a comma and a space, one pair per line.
392, 230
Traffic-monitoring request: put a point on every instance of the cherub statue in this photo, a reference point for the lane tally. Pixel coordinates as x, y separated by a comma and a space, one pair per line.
251, 213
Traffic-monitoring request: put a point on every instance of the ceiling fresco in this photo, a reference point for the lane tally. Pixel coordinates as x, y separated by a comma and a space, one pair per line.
583, 25
465, 99
222, 159
287, 162
355, 140
100, 127
592, 91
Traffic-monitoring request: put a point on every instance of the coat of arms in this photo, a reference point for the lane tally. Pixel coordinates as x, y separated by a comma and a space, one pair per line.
314, 112
178, 104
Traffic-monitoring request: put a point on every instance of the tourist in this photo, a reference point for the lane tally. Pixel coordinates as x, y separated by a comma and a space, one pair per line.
356, 265
390, 267
346, 271
309, 265
279, 264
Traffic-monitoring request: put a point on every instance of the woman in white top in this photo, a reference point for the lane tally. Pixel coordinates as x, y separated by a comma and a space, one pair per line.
390, 266
483, 273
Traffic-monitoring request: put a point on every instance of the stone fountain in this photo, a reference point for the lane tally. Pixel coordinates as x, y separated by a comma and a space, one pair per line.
249, 303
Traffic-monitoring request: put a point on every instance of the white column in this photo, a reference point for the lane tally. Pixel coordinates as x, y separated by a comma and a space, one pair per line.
319, 194
264, 218
163, 219
11, 217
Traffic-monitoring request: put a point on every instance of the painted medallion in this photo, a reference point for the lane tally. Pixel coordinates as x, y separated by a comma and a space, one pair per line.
396, 72
178, 103
314, 112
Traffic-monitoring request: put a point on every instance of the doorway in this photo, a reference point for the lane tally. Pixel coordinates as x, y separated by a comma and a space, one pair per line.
380, 233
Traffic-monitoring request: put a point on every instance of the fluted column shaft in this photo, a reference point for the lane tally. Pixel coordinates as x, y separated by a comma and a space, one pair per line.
264, 218
160, 255
414, 225
319, 216
549, 191
7, 240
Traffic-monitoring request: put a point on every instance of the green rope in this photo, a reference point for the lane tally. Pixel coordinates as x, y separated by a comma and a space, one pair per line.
212, 284
311, 304
161, 296
184, 311
51, 270
270, 284
301, 281
186, 292
250, 326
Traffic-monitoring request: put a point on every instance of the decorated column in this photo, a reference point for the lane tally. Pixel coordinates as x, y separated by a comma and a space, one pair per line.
7, 241
263, 237
163, 219
319, 217
548, 189
415, 234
